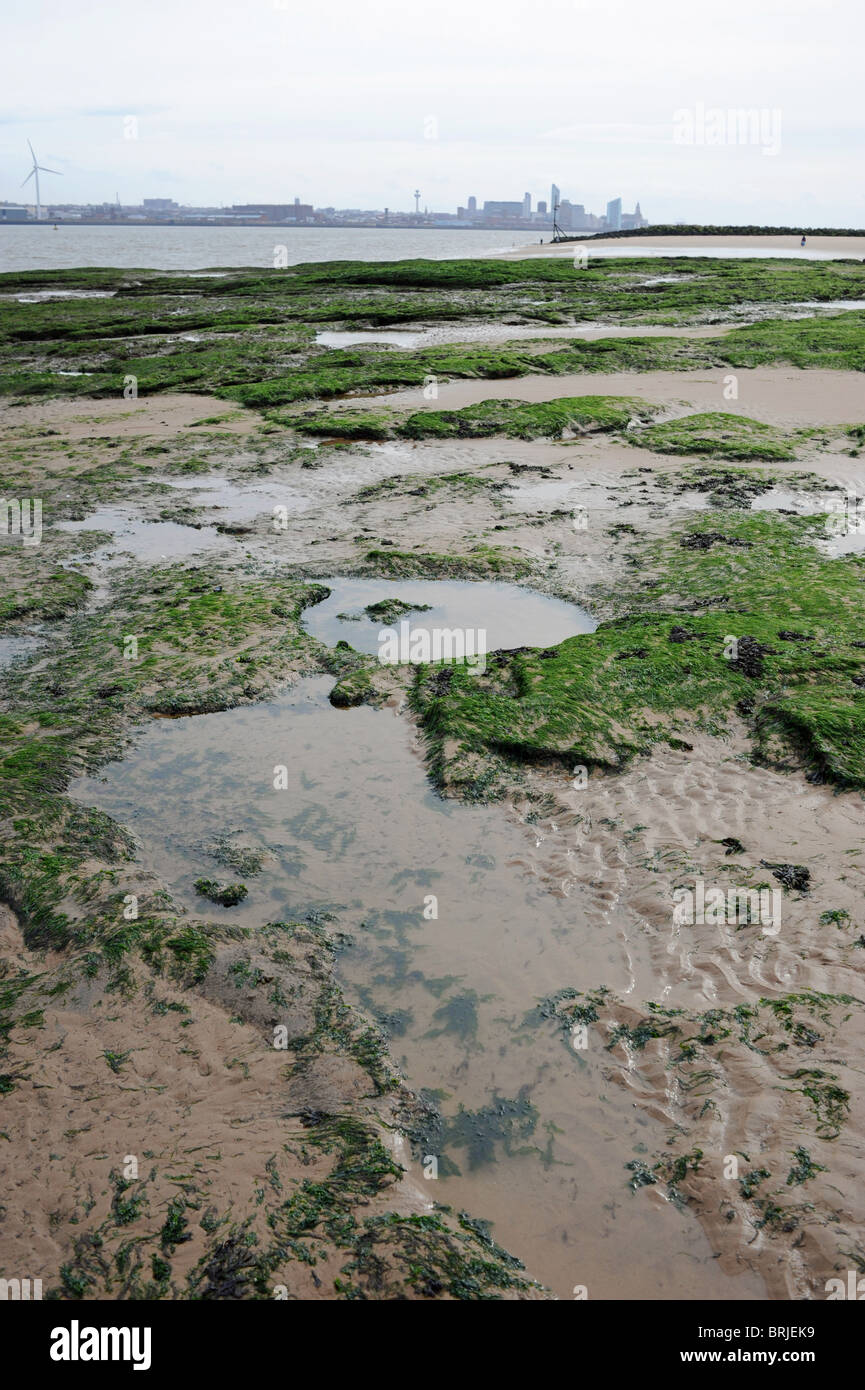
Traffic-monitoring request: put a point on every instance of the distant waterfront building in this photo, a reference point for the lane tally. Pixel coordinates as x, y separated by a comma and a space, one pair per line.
614, 215
10, 213
159, 204
502, 209
542, 208
473, 205
527, 205
631, 221
277, 212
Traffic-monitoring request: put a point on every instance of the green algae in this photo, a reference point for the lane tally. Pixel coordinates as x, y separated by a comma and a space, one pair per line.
318, 1224
480, 561
256, 327
37, 596
390, 610
803, 1169
609, 695
513, 419
719, 435
225, 894
521, 420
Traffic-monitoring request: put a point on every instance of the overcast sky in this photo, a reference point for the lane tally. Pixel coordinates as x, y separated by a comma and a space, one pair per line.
355, 103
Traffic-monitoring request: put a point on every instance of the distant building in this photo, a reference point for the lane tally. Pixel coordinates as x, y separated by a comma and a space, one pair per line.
542, 208
473, 204
158, 204
631, 221
527, 205
10, 213
277, 212
614, 215
499, 209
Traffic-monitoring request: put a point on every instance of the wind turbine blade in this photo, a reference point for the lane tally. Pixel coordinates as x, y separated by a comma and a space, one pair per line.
29, 177
32, 151
49, 171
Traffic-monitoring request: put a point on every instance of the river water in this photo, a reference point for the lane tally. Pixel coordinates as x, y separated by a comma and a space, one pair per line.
40, 247
197, 248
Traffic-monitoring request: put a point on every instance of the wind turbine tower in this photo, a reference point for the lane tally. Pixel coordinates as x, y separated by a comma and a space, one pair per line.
34, 173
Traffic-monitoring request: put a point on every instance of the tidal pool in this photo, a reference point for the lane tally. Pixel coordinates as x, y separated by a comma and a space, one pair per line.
509, 615
144, 540
459, 331
531, 1134
14, 648
40, 296
570, 493
241, 501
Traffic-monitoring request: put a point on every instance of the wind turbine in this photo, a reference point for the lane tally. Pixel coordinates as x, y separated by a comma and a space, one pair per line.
34, 173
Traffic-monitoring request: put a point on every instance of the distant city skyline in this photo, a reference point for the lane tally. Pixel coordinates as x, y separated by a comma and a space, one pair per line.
563, 213
526, 206
207, 103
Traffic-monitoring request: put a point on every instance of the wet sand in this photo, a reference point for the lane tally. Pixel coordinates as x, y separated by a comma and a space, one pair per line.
148, 416
675, 246
776, 395
686, 803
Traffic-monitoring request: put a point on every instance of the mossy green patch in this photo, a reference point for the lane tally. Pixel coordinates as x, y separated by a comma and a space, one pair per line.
604, 696
390, 610
480, 561
717, 435
225, 894
513, 419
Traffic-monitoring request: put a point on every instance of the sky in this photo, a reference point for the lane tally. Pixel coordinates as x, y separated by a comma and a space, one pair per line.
355, 103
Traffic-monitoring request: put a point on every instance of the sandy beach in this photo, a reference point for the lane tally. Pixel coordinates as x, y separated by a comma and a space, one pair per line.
853, 247
412, 1037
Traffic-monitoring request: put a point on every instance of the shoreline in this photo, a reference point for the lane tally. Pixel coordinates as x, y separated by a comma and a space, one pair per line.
846, 247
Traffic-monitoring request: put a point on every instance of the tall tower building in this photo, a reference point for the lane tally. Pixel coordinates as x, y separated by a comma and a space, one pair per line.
614, 215
527, 205
473, 204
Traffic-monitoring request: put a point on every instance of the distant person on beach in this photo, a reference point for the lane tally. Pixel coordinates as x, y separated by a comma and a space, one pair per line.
802, 242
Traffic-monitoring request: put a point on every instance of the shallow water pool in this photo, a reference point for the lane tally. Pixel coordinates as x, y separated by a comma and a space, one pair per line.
509, 615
